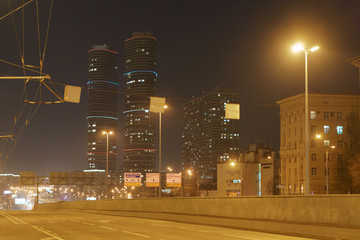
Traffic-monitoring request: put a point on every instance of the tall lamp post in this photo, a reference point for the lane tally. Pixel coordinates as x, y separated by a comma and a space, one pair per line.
157, 105
107, 151
300, 48
327, 146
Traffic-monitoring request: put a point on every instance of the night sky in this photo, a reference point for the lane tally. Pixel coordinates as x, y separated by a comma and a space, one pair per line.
242, 45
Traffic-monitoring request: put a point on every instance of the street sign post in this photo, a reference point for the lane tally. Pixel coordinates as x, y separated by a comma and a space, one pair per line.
132, 179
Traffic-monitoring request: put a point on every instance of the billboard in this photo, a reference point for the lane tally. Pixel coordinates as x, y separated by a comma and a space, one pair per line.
132, 179
152, 179
173, 179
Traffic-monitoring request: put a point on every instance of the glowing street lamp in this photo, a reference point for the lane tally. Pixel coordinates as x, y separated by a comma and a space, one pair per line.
299, 47
107, 151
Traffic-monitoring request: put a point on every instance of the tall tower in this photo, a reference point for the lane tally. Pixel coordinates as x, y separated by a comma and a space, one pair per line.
102, 107
140, 84
208, 137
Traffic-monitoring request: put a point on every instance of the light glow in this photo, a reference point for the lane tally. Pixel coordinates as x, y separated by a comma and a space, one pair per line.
313, 49
298, 47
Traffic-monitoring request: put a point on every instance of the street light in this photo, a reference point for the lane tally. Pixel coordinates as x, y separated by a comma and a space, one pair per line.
327, 146
300, 48
107, 151
170, 169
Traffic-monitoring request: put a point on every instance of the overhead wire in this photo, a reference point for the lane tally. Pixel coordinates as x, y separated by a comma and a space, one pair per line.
22, 6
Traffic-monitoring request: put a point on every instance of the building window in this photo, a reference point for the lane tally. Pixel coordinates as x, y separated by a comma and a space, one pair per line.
295, 145
313, 144
325, 157
339, 130
339, 116
313, 129
327, 172
313, 157
340, 144
295, 132
312, 114
339, 172
314, 171
340, 157
352, 115
326, 115
326, 129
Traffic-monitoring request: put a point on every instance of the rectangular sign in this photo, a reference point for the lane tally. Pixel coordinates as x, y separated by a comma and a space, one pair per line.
232, 111
132, 179
152, 180
173, 179
157, 104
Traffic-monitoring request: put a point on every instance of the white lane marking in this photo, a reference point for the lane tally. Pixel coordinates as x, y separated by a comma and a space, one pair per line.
47, 233
203, 231
108, 228
105, 221
159, 225
38, 228
3, 214
137, 234
235, 236
135, 221
91, 224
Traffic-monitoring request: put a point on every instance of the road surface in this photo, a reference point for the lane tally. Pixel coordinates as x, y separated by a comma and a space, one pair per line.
47, 225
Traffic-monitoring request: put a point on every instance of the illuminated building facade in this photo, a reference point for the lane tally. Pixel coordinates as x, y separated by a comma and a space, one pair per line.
102, 107
327, 117
207, 137
140, 77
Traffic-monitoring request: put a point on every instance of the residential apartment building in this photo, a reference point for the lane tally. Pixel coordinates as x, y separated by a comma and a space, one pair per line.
140, 78
328, 115
102, 107
208, 137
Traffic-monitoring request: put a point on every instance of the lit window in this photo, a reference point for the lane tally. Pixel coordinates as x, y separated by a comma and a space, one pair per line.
94, 130
326, 129
339, 130
312, 114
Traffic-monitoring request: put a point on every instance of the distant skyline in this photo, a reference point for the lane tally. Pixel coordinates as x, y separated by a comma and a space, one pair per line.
239, 45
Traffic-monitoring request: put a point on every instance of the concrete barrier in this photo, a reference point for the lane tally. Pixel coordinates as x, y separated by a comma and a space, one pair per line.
327, 211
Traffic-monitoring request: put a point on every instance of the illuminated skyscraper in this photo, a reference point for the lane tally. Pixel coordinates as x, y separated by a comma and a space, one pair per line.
208, 137
102, 106
140, 84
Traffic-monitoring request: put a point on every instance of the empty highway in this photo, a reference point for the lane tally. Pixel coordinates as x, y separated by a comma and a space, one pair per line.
46, 225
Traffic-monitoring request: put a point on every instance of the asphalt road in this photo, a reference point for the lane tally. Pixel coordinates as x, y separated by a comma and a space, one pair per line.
46, 225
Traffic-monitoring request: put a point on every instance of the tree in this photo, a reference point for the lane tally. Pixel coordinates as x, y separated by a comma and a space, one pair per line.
349, 179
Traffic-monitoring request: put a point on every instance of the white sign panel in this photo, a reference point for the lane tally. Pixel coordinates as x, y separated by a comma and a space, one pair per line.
132, 179
72, 94
173, 179
152, 179
19, 201
232, 111
157, 104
